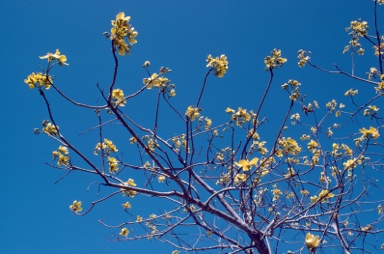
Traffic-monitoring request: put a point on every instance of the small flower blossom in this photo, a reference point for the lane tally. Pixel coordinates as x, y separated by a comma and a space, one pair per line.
312, 241
240, 178
161, 179
126, 205
113, 164
51, 129
246, 164
76, 206
192, 113
118, 97
124, 232
61, 59
208, 123
219, 64
303, 57
146, 64
371, 132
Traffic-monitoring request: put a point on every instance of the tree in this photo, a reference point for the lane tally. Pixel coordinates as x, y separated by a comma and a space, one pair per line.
223, 188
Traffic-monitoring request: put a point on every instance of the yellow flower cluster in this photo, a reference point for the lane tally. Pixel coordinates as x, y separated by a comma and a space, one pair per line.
356, 29
50, 128
120, 29
372, 132
208, 123
241, 116
276, 192
76, 206
61, 154
61, 59
291, 172
118, 97
274, 61
192, 113
225, 178
113, 165
219, 64
371, 110
259, 146
323, 196
240, 178
351, 92
294, 89
289, 145
161, 82
107, 146
130, 193
303, 58
38, 80
179, 141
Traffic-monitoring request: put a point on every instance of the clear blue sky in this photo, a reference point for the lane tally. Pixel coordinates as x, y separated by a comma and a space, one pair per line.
34, 215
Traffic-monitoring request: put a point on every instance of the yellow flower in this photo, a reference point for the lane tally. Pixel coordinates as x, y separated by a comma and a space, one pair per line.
241, 116
324, 195
126, 205
291, 172
110, 145
124, 232
172, 93
131, 182
161, 179
246, 164
50, 129
118, 97
208, 123
139, 218
303, 58
152, 81
76, 206
63, 149
373, 108
146, 64
38, 80
372, 132
312, 145
274, 61
312, 241
63, 160
229, 110
290, 146
113, 165
62, 59
240, 178
192, 113
219, 64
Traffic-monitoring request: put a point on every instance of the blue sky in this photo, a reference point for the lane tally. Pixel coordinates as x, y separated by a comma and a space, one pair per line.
178, 34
